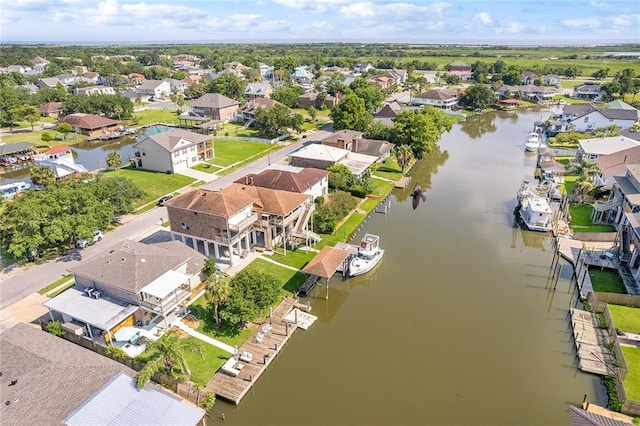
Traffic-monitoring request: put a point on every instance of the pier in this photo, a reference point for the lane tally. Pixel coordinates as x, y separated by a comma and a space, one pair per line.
263, 347
591, 341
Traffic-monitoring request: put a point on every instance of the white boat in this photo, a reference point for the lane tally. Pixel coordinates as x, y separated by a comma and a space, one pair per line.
534, 210
369, 254
10, 189
533, 141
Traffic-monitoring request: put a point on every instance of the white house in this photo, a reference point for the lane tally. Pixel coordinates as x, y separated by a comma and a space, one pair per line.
266, 71
599, 118
94, 90
172, 150
155, 88
439, 98
361, 67
176, 86
592, 149
60, 161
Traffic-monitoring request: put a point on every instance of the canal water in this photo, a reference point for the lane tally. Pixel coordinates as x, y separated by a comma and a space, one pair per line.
459, 324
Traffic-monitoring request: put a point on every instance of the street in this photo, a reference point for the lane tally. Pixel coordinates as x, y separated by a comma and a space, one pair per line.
16, 284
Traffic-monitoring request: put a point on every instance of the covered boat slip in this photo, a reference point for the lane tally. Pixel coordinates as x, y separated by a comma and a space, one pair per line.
324, 265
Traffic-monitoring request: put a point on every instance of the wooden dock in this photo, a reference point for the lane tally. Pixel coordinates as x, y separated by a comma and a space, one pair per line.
590, 340
402, 182
263, 353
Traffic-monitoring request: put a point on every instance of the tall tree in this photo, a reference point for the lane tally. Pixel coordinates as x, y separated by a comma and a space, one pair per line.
228, 85
351, 114
165, 354
288, 95
421, 129
113, 160
369, 92
216, 291
30, 114
404, 155
478, 96
251, 293
42, 175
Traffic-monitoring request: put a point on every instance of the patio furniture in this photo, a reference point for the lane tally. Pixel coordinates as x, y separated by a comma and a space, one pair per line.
229, 368
88, 290
97, 294
259, 337
246, 356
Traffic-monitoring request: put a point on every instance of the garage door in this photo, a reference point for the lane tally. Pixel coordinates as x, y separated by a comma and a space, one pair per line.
180, 166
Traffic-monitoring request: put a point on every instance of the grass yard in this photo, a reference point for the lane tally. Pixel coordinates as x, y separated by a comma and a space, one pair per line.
233, 129
62, 289
150, 116
36, 138
229, 334
154, 184
581, 220
229, 152
203, 368
297, 259
56, 283
632, 380
207, 167
291, 279
626, 318
606, 281
389, 169
344, 233
569, 183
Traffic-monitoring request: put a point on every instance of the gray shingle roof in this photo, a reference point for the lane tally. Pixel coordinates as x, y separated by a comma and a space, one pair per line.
213, 100
133, 265
169, 139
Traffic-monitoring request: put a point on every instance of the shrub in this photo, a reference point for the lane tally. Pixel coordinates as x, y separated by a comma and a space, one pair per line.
55, 328
46, 136
359, 191
319, 200
209, 401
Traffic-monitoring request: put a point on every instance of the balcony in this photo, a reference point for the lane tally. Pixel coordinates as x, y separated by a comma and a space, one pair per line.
243, 224
168, 303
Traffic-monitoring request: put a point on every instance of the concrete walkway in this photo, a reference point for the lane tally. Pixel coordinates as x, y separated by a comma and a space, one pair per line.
196, 174
191, 332
279, 264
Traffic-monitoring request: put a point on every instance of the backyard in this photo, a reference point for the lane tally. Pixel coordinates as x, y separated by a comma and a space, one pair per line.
581, 220
228, 152
151, 116
154, 184
606, 281
632, 380
626, 318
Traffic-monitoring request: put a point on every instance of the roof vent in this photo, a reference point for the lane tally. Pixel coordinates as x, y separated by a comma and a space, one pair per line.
124, 259
143, 260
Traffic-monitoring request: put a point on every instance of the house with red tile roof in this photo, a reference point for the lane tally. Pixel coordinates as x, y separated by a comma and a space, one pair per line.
90, 124
313, 182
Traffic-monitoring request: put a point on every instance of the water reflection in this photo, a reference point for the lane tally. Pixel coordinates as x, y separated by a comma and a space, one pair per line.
477, 125
422, 174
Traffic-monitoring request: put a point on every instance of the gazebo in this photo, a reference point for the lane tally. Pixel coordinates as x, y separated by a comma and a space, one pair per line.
324, 265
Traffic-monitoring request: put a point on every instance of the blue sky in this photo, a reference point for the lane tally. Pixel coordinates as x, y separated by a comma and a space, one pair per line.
453, 21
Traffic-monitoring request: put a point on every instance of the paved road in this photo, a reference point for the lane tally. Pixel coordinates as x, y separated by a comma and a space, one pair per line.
15, 284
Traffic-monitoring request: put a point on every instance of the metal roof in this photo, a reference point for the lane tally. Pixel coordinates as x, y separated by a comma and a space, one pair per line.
165, 284
119, 402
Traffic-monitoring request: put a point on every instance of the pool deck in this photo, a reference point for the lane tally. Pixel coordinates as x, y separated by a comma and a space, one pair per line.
263, 353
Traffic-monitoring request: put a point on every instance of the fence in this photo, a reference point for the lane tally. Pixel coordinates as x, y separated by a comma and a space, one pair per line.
619, 299
245, 138
596, 236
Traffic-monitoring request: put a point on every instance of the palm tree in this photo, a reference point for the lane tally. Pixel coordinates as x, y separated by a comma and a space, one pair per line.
584, 185
164, 354
216, 291
113, 160
584, 166
42, 175
404, 154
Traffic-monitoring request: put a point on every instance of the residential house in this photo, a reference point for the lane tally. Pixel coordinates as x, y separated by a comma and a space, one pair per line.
92, 77
94, 90
528, 77
551, 80
528, 92
228, 223
20, 69
588, 91
387, 112
135, 78
302, 76
461, 70
320, 156
598, 118
399, 75
615, 164
172, 150
216, 106
51, 109
49, 380
361, 67
50, 82
128, 284
384, 81
154, 88
592, 149
39, 64
68, 79
353, 141
619, 104
266, 72
80, 70
215, 75
313, 182
623, 206
31, 88
247, 114
176, 86
439, 98
60, 160
90, 124
258, 90
192, 79
317, 100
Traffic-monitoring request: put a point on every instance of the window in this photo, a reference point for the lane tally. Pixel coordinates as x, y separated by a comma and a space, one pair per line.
184, 225
184, 151
193, 148
586, 119
176, 154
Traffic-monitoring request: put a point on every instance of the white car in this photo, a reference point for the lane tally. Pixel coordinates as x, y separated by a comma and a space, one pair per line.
97, 236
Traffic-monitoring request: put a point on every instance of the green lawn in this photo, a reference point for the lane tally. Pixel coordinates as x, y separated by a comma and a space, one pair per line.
606, 281
229, 152
632, 380
569, 183
233, 129
297, 259
229, 334
62, 289
207, 167
150, 116
290, 280
36, 138
626, 318
344, 233
389, 169
581, 220
203, 368
319, 112
56, 283
154, 184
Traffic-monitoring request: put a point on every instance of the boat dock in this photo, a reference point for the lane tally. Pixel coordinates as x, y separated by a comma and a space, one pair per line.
263, 347
590, 340
402, 182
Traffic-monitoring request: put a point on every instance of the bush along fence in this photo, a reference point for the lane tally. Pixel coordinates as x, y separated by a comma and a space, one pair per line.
615, 383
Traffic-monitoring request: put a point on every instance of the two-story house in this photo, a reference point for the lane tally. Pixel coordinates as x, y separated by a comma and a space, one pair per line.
173, 150
313, 182
354, 141
591, 149
247, 114
216, 106
258, 90
226, 224
94, 90
127, 284
361, 67
439, 98
154, 88
588, 91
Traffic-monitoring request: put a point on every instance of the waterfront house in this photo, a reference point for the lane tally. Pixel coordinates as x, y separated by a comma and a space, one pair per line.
353, 141
90, 124
527, 92
60, 161
592, 149
320, 156
128, 284
313, 182
614, 164
172, 150
589, 91
49, 380
258, 90
226, 224
439, 98
216, 106
51, 109
586, 118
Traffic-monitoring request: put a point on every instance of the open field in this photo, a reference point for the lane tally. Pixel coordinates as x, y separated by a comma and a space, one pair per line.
154, 184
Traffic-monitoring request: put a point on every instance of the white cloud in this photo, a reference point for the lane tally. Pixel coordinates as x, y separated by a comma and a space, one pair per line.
511, 28
111, 12
370, 10
600, 5
484, 17
584, 23
360, 10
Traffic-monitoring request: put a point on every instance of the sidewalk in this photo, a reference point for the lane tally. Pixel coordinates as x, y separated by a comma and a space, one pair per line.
191, 332
196, 174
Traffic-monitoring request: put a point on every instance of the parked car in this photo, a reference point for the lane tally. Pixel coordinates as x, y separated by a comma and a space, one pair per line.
164, 199
97, 236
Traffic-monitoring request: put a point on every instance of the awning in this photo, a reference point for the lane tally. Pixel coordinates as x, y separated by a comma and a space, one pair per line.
125, 333
165, 284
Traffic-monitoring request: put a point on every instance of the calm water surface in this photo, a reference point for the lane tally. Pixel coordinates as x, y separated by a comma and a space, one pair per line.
457, 325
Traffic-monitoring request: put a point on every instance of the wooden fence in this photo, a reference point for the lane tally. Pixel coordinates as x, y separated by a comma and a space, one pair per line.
596, 236
619, 299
